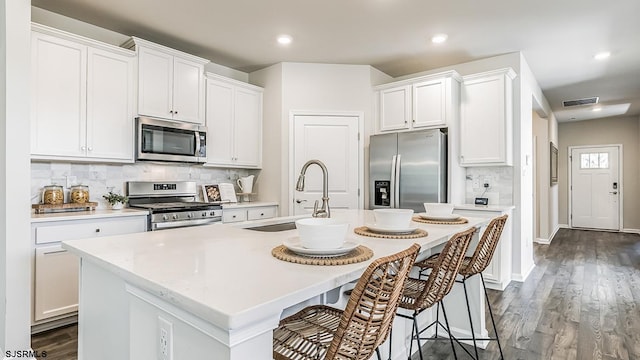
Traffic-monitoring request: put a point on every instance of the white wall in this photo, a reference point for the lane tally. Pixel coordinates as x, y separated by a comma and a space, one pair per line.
15, 249
307, 87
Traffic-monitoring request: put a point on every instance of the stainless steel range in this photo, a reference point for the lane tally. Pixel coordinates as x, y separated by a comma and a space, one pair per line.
172, 204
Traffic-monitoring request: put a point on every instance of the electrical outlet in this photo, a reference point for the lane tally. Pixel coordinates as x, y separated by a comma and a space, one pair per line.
165, 339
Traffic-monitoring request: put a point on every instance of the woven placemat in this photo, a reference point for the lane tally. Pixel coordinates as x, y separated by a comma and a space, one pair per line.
365, 231
457, 221
359, 254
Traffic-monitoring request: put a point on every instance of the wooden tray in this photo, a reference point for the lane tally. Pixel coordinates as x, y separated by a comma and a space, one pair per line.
41, 208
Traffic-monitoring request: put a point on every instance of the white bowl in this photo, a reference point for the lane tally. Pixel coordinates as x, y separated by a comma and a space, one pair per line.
393, 218
322, 233
438, 209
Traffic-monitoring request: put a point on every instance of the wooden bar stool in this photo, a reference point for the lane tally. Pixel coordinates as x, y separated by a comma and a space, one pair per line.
323, 332
420, 295
473, 265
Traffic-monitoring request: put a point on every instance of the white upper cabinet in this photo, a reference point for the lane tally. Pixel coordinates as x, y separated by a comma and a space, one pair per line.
170, 82
422, 102
486, 137
234, 122
395, 108
82, 98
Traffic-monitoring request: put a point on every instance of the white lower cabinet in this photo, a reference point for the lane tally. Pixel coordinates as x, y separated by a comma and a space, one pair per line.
56, 282
497, 275
231, 215
55, 270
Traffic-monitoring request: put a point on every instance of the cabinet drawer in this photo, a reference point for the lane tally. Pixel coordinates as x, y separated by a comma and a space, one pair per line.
230, 216
261, 213
45, 234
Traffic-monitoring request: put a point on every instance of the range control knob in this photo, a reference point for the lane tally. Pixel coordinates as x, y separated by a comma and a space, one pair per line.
189, 215
175, 216
165, 217
213, 213
204, 214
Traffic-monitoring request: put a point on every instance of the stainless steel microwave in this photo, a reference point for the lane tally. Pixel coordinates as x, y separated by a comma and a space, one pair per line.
164, 140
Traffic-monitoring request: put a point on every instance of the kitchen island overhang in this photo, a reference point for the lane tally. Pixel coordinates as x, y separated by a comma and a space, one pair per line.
219, 281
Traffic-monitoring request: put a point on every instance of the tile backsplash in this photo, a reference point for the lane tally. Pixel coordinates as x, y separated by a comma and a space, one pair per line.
103, 177
500, 179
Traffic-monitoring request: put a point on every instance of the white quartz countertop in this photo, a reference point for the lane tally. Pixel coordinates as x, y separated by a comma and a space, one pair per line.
249, 204
84, 215
226, 274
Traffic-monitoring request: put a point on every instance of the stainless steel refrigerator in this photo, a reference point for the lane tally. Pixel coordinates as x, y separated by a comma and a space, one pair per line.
407, 169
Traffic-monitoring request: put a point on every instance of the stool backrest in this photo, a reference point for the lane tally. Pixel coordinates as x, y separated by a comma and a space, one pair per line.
368, 316
486, 247
443, 274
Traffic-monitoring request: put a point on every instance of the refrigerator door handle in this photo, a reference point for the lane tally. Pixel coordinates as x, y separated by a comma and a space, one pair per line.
396, 189
393, 183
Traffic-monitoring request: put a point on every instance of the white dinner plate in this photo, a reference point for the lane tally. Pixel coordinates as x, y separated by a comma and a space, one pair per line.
390, 230
293, 244
439, 217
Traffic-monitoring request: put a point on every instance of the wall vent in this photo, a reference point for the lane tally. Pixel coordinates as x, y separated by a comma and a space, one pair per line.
578, 102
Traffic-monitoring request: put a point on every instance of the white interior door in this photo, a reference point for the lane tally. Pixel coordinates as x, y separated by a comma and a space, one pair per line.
334, 141
595, 188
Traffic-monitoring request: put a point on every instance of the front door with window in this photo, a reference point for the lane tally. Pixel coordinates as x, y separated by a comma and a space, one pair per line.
595, 187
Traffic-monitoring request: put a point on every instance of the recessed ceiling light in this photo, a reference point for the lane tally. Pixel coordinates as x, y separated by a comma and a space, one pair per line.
597, 109
602, 55
439, 38
284, 39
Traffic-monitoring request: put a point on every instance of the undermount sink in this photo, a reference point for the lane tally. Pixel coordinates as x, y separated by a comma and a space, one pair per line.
274, 227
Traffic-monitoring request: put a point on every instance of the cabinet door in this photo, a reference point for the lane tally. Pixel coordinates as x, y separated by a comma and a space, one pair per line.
56, 282
58, 97
485, 124
109, 105
248, 127
395, 108
430, 103
219, 117
188, 91
155, 83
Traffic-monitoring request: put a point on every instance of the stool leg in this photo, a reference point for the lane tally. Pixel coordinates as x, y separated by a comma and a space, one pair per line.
446, 321
493, 322
390, 342
378, 353
415, 326
437, 318
473, 333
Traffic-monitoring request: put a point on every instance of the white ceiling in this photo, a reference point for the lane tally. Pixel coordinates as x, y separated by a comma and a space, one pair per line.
557, 37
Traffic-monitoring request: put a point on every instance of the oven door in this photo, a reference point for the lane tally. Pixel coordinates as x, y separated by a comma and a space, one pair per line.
161, 140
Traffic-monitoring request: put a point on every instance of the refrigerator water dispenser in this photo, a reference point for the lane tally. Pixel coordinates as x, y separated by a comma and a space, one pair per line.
382, 193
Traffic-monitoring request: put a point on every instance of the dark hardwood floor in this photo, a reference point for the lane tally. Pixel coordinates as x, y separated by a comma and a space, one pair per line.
582, 301
60, 343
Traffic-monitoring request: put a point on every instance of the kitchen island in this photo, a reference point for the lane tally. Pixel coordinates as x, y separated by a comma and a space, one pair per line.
214, 291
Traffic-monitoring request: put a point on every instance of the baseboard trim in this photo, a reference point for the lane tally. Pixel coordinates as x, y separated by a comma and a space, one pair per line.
564, 226
523, 278
542, 241
631, 231
548, 241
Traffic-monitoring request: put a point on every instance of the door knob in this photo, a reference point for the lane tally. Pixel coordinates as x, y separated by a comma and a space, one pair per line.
613, 192
299, 201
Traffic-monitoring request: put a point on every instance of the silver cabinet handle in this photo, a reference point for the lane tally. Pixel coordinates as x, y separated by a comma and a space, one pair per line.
83, 148
90, 148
